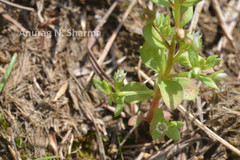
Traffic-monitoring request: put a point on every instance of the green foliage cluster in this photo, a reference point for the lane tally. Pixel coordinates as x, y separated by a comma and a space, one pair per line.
160, 52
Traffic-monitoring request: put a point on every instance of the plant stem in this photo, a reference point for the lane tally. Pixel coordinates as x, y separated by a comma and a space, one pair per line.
172, 48
155, 104
170, 57
169, 65
177, 13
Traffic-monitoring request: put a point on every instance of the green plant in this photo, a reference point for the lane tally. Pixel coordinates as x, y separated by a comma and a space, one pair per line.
164, 46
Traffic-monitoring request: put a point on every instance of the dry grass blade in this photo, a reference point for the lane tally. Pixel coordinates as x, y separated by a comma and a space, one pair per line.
15, 154
207, 130
91, 43
61, 91
231, 16
223, 24
17, 5
99, 140
112, 38
92, 40
53, 142
112, 109
92, 118
195, 18
16, 23
114, 35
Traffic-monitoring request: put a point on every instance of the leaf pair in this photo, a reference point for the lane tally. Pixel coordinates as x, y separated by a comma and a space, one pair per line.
103, 86
160, 127
133, 92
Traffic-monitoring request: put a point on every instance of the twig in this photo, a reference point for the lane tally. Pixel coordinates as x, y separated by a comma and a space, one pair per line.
17, 5
230, 16
147, 79
195, 18
223, 24
113, 37
92, 118
199, 106
207, 130
16, 23
137, 146
126, 137
91, 43
112, 109
138, 70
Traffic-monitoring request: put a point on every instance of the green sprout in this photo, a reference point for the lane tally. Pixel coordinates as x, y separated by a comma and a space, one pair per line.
164, 46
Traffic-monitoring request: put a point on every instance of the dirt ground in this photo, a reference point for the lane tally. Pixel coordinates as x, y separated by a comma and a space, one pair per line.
49, 105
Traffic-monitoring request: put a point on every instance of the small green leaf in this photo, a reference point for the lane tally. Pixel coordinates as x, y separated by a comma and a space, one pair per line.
208, 81
150, 35
110, 99
190, 3
187, 16
156, 134
153, 58
183, 60
120, 104
180, 124
162, 2
189, 87
202, 63
194, 73
107, 87
157, 117
173, 133
173, 124
193, 57
211, 62
48, 158
172, 93
98, 84
141, 92
162, 28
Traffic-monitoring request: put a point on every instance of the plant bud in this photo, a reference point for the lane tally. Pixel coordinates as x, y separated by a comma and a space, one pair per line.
120, 75
219, 77
180, 33
197, 71
196, 40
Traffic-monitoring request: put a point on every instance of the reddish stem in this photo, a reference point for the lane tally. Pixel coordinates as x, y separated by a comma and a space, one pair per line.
171, 3
181, 1
155, 104
164, 39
